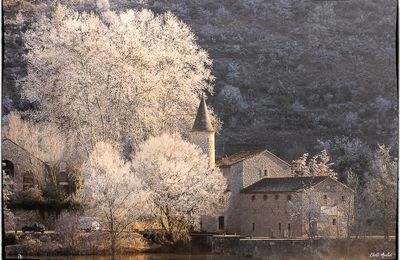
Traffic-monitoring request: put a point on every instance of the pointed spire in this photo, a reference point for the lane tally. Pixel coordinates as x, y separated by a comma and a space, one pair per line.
202, 123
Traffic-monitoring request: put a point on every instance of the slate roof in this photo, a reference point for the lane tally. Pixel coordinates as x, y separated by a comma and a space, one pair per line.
285, 184
202, 123
241, 156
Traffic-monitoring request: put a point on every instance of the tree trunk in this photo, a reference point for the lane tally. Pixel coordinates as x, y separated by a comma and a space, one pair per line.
113, 245
112, 234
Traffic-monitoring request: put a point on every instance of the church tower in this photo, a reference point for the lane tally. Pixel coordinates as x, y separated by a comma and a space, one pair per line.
203, 134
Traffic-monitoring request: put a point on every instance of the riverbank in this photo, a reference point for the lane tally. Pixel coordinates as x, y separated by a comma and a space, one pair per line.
82, 243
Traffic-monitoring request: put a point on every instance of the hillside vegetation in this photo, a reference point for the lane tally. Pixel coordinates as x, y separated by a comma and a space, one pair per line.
288, 73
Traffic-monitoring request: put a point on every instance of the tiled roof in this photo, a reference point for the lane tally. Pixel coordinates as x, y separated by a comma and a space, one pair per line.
241, 156
202, 121
237, 157
286, 184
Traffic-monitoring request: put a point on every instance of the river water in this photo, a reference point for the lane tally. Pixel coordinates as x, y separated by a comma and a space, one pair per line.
151, 257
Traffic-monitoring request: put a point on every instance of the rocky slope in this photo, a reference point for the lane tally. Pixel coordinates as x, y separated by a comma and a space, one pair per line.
287, 73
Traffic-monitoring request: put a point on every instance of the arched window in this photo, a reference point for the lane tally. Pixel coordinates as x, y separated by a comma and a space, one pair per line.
8, 168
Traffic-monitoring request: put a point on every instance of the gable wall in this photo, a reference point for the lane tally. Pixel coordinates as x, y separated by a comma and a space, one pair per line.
253, 165
341, 210
24, 163
234, 175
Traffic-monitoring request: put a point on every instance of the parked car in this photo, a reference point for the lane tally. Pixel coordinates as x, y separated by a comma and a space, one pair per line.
35, 227
89, 224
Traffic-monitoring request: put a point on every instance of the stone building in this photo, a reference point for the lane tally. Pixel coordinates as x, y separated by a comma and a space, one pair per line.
245, 171
25, 170
315, 206
241, 170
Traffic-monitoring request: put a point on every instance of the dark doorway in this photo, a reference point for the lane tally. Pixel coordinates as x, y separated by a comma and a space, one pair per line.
221, 222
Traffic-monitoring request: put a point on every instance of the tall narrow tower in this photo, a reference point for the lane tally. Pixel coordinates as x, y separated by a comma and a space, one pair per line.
203, 134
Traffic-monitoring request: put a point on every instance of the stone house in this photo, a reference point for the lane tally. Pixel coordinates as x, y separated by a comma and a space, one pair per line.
25, 170
244, 171
240, 170
314, 206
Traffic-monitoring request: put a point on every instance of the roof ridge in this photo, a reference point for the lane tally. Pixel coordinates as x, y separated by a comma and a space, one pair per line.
280, 159
249, 154
23, 148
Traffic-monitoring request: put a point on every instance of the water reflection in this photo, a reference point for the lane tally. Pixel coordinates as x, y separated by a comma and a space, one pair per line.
150, 257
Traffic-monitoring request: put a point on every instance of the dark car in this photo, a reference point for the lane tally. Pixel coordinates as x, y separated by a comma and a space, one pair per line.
33, 227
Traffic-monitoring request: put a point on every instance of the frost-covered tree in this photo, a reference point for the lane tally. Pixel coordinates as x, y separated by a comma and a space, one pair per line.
182, 187
42, 140
318, 165
118, 77
112, 192
350, 156
300, 167
381, 191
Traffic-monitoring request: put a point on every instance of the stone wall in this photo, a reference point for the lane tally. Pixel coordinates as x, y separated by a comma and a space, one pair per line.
270, 215
242, 246
339, 208
231, 213
25, 164
303, 248
264, 161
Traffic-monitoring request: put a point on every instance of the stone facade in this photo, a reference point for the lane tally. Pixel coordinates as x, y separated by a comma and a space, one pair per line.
268, 215
325, 210
25, 169
239, 175
264, 164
